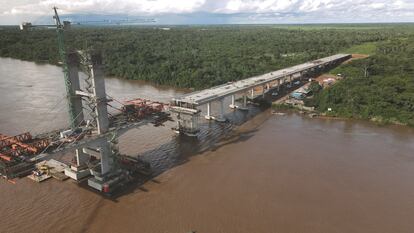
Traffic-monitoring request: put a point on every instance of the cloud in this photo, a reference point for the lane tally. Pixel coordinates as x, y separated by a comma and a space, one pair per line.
243, 10
108, 6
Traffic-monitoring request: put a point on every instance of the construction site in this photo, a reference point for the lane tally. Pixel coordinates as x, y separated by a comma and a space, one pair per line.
93, 131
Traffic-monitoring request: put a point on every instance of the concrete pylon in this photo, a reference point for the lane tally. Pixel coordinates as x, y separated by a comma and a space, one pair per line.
98, 81
73, 62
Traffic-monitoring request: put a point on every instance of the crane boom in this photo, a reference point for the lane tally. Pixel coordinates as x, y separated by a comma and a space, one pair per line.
62, 52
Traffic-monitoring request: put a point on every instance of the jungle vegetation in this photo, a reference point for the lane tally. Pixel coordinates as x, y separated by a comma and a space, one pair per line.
380, 87
196, 57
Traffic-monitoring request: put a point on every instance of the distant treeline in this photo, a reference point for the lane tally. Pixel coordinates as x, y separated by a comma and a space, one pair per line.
380, 88
195, 57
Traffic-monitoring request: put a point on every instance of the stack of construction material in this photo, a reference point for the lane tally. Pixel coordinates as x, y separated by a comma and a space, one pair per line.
142, 108
15, 152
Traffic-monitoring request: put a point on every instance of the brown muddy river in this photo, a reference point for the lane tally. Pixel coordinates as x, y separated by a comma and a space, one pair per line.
261, 173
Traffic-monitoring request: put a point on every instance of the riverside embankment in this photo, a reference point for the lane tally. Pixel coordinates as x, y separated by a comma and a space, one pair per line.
270, 174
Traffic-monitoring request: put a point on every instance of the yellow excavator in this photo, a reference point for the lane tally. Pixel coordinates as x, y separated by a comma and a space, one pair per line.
42, 169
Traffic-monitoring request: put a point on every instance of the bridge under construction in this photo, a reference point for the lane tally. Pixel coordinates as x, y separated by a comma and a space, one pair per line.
186, 108
93, 131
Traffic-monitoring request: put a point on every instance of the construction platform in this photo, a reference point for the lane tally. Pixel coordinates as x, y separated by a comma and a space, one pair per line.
48, 169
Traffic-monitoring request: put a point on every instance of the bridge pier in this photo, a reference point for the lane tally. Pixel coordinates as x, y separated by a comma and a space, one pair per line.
106, 157
233, 103
187, 119
242, 107
220, 117
263, 90
81, 157
80, 170
244, 104
208, 116
95, 97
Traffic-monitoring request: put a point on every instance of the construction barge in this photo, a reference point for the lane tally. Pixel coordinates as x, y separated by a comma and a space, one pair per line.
26, 155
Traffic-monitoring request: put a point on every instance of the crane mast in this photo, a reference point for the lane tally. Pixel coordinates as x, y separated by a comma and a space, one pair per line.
63, 57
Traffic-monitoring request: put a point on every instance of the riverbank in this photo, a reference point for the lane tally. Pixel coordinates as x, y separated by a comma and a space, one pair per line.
270, 174
297, 107
354, 90
379, 88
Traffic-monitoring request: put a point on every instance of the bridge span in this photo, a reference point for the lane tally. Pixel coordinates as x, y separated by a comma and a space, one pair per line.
186, 111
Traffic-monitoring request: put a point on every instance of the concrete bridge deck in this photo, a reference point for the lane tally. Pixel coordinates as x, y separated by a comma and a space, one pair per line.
186, 108
208, 95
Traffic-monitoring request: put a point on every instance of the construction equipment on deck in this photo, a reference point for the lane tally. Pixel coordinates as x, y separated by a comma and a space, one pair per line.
15, 152
94, 139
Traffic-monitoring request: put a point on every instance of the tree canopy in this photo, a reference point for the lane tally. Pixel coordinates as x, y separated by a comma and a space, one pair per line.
196, 57
380, 87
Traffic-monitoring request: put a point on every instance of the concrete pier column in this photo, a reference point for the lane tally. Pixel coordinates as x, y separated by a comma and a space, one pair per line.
263, 91
252, 93
220, 117
278, 85
208, 116
81, 157
106, 158
233, 102
244, 104
80, 170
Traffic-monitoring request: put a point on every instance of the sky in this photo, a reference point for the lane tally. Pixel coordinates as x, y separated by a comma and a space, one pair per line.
14, 12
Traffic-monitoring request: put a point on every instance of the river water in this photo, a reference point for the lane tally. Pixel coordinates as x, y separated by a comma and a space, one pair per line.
260, 173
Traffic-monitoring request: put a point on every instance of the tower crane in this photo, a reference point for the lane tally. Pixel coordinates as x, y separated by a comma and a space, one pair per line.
62, 52
96, 137
60, 27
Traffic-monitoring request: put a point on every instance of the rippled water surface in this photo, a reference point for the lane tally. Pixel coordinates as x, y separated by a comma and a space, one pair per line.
259, 173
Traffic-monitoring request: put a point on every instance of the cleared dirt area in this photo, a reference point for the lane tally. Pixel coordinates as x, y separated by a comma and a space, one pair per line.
356, 56
327, 79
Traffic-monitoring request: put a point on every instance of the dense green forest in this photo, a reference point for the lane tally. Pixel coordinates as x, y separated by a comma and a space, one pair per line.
196, 57
380, 88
